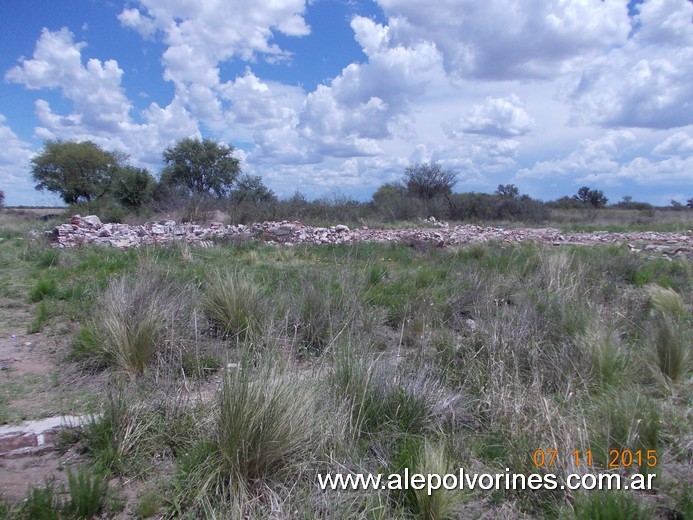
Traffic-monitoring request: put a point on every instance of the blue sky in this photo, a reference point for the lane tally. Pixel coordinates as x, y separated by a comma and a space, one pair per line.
335, 97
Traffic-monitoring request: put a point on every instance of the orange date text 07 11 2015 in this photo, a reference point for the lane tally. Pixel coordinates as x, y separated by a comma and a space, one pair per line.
616, 458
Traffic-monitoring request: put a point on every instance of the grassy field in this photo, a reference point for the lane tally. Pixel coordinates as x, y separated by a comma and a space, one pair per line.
223, 381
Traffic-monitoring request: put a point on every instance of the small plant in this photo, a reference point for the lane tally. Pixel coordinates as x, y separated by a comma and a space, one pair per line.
87, 348
42, 503
610, 505
148, 504
624, 418
44, 288
39, 320
439, 503
87, 491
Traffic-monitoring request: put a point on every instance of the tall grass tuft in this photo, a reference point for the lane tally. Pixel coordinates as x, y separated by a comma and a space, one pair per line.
440, 503
672, 332
136, 313
233, 303
387, 399
267, 423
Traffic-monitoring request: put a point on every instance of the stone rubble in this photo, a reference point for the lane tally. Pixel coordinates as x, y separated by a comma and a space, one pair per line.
90, 230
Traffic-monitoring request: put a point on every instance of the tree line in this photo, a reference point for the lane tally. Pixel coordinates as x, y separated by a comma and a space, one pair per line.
202, 174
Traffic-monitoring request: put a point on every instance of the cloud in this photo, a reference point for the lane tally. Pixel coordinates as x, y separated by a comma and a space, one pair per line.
94, 89
200, 35
499, 117
101, 110
15, 157
648, 82
680, 143
366, 101
591, 157
601, 161
501, 39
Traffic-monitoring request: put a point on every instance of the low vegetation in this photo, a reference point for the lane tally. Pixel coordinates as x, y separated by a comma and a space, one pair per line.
231, 377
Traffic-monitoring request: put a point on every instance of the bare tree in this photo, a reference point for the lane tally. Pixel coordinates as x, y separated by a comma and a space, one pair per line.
427, 181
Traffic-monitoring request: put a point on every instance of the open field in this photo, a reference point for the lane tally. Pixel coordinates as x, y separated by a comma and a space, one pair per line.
222, 381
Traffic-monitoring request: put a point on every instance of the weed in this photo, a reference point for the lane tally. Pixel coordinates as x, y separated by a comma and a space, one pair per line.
42, 503
610, 505
44, 288
137, 314
148, 505
624, 419
87, 349
39, 320
87, 491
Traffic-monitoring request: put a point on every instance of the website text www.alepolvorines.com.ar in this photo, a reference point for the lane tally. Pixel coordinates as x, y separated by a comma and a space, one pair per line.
483, 481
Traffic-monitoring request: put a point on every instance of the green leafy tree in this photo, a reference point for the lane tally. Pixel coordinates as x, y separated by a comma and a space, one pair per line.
427, 181
594, 198
77, 171
250, 189
134, 188
200, 167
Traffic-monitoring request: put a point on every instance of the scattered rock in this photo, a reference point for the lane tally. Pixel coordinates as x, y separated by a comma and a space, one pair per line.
90, 230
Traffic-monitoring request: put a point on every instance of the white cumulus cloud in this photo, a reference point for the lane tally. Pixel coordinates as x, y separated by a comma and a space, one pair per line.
499, 117
502, 39
648, 82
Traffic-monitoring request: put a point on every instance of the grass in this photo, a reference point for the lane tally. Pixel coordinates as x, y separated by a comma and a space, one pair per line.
236, 374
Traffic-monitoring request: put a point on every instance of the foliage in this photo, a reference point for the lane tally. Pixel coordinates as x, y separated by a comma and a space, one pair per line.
2, 198
628, 203
250, 189
689, 203
508, 190
134, 188
77, 171
200, 166
427, 181
594, 198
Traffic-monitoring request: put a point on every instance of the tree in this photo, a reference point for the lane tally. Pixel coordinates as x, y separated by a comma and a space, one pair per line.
2, 199
200, 167
250, 188
427, 181
689, 203
77, 171
134, 188
508, 191
594, 198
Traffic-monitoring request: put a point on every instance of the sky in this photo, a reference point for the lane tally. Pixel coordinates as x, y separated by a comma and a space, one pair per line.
334, 98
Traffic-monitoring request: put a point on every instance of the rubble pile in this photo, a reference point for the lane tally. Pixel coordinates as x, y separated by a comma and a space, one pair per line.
90, 230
